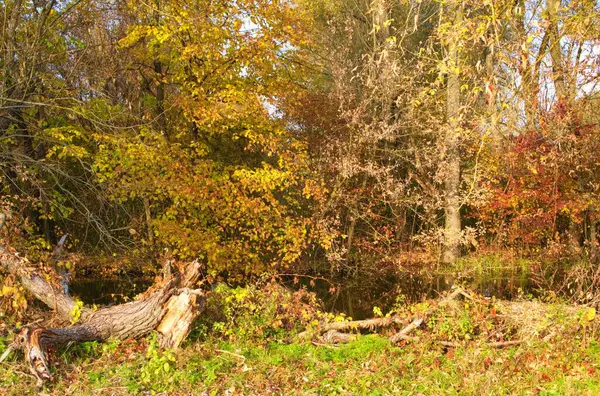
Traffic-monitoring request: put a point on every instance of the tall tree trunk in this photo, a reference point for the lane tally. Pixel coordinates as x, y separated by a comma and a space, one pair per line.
562, 96
148, 214
593, 237
529, 71
160, 76
160, 98
452, 180
558, 66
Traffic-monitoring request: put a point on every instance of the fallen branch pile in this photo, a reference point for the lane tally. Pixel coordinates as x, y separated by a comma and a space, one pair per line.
339, 332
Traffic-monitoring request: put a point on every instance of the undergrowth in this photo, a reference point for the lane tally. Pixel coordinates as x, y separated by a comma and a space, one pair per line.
245, 344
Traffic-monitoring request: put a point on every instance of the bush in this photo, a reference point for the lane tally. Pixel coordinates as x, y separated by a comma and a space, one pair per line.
269, 313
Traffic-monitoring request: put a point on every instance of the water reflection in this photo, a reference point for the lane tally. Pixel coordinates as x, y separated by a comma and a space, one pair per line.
357, 300
107, 291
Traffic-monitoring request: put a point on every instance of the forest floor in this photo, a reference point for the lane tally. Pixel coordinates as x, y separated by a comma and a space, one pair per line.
369, 365
559, 353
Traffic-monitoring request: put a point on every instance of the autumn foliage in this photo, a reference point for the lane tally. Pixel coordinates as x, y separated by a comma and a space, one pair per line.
545, 182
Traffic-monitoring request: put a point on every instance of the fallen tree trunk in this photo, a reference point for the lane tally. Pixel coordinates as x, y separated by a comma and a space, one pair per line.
37, 285
415, 324
404, 333
182, 311
170, 307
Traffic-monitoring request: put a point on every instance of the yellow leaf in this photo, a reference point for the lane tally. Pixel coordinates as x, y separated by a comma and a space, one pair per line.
591, 314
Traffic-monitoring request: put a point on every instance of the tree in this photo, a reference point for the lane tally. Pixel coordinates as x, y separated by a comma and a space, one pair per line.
452, 144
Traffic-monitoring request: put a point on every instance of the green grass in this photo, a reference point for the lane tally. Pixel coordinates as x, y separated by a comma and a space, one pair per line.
239, 349
369, 365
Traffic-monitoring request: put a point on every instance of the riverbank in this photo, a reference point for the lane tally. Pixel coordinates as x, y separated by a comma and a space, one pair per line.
479, 346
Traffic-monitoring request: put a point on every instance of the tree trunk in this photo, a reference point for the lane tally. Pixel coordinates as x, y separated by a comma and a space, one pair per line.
148, 214
558, 67
529, 71
182, 311
452, 180
170, 306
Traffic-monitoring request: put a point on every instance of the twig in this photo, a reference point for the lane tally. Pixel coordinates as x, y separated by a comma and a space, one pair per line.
503, 344
500, 344
336, 337
331, 283
321, 344
450, 344
467, 295
7, 352
231, 353
108, 388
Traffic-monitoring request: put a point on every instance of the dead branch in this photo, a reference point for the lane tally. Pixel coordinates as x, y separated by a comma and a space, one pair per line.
503, 344
403, 334
366, 324
336, 337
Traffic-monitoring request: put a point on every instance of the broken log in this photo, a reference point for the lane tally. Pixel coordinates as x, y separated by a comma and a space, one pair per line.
336, 337
165, 306
366, 324
181, 313
373, 323
415, 324
37, 285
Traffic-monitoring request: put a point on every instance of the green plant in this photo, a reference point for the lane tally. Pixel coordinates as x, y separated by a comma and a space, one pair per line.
158, 367
271, 312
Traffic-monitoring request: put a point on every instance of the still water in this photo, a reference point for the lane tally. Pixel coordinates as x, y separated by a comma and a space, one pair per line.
356, 299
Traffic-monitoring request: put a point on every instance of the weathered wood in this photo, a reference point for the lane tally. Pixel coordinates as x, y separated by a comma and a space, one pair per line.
415, 324
130, 320
373, 323
181, 313
500, 344
336, 337
162, 307
366, 324
34, 283
403, 334
504, 344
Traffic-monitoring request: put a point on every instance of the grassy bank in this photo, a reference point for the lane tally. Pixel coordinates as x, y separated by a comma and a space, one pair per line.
369, 365
240, 352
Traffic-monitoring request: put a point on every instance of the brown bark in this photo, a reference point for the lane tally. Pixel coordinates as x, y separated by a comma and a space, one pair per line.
148, 221
558, 66
404, 333
592, 238
452, 153
529, 71
165, 307
336, 337
366, 324
332, 332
